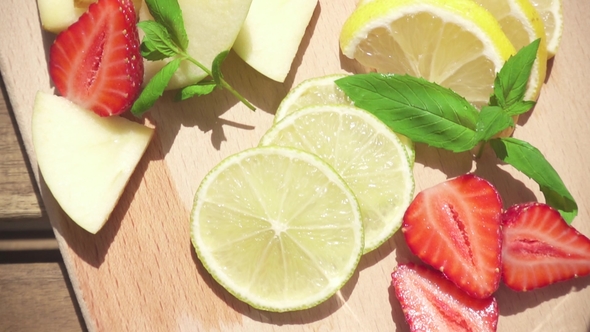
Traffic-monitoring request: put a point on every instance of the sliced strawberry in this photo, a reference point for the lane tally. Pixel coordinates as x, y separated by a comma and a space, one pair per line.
540, 248
431, 302
455, 227
96, 63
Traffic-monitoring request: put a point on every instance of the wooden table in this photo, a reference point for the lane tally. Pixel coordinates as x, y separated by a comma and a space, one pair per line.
35, 292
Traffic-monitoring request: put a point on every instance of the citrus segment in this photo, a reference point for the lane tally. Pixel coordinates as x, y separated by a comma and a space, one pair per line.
313, 91
319, 91
365, 152
552, 16
522, 25
277, 227
456, 44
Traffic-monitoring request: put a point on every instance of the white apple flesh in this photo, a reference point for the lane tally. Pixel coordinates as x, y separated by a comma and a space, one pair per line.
272, 33
58, 15
85, 160
211, 28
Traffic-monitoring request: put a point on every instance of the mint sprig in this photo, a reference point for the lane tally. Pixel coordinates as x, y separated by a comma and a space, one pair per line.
427, 113
166, 37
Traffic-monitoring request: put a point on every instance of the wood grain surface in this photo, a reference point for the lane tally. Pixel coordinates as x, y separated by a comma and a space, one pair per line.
36, 298
18, 197
140, 272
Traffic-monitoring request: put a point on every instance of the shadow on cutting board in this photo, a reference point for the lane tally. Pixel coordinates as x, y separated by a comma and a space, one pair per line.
301, 317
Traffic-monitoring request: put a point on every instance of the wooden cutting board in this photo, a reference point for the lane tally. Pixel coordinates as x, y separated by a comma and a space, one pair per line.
140, 272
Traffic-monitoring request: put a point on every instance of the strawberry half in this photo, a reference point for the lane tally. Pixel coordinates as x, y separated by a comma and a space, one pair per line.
540, 248
96, 62
431, 302
455, 227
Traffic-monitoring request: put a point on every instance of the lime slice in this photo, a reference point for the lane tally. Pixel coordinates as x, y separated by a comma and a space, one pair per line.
313, 91
457, 44
364, 151
277, 227
319, 91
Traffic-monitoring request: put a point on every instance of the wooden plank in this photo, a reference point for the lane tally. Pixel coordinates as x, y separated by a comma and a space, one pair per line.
37, 297
140, 272
18, 195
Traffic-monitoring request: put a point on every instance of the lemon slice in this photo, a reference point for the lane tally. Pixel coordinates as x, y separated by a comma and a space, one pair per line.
319, 91
522, 25
457, 44
552, 16
277, 227
365, 152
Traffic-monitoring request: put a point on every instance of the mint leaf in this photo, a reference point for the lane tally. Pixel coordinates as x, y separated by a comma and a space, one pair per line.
149, 51
531, 162
216, 67
169, 14
165, 38
421, 110
156, 44
511, 82
154, 88
200, 89
519, 107
491, 120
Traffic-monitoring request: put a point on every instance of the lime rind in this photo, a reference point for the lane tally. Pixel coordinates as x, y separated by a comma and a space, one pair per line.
276, 249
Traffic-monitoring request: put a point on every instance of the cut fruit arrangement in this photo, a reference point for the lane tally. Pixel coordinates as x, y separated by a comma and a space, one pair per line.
85, 152
459, 228
329, 181
97, 65
291, 210
402, 36
269, 220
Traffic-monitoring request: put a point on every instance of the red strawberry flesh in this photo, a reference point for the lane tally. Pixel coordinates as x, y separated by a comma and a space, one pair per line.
431, 302
540, 248
455, 227
96, 62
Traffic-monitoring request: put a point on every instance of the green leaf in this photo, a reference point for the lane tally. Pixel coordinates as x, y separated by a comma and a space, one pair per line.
200, 89
169, 14
216, 67
491, 120
511, 82
519, 107
531, 162
156, 44
154, 88
150, 52
421, 110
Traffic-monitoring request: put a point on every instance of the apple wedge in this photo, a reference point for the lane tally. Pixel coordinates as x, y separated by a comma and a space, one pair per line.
272, 33
86, 160
57, 15
211, 27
